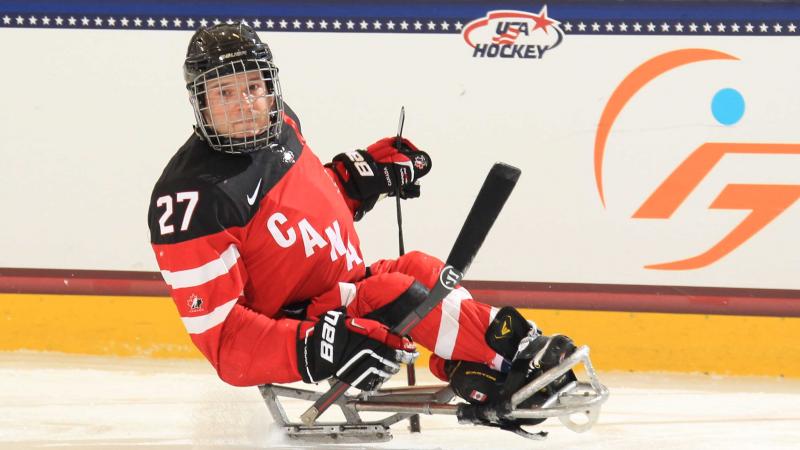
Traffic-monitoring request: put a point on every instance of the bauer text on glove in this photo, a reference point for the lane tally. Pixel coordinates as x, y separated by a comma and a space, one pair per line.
361, 352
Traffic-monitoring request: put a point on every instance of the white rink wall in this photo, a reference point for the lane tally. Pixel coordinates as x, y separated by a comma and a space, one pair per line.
90, 117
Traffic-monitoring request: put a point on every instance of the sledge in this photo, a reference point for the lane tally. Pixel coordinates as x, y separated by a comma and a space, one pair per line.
576, 400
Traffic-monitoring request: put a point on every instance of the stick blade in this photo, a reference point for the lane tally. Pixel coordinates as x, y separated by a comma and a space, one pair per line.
310, 416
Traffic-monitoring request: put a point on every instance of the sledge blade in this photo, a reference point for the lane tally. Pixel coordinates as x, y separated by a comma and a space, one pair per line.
338, 433
538, 436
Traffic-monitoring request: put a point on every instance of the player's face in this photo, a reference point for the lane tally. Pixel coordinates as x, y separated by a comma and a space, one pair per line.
238, 105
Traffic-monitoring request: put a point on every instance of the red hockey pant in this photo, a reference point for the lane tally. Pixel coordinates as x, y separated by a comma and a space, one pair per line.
454, 330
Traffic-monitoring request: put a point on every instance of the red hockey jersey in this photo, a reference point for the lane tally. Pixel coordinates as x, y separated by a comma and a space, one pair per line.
238, 237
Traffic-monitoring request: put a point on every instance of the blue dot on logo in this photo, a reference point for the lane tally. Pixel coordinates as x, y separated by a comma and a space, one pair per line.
727, 106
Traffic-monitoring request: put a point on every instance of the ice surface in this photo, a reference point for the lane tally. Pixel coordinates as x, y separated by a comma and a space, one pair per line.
54, 401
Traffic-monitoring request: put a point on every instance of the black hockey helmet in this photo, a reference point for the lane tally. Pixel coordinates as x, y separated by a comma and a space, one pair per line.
232, 50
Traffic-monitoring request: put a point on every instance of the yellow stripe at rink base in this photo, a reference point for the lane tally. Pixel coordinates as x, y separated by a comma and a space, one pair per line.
95, 325
150, 326
725, 345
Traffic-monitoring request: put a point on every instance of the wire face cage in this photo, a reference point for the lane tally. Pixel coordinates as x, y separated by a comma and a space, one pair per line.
238, 105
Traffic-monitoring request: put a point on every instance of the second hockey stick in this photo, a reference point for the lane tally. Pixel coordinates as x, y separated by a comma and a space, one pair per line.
487, 206
411, 374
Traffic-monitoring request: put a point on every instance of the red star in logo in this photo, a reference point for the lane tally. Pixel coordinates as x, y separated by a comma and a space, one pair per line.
541, 20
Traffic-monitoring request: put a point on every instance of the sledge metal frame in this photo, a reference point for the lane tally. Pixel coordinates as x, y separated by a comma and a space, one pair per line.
354, 429
582, 398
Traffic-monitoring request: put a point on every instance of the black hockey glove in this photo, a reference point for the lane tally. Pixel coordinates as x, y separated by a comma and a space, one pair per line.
361, 352
377, 171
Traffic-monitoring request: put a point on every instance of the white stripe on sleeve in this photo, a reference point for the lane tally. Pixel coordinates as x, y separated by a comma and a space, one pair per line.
493, 313
201, 324
205, 273
497, 362
448, 325
347, 292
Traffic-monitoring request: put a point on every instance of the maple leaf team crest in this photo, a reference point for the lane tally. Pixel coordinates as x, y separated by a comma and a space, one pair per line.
513, 34
195, 303
420, 163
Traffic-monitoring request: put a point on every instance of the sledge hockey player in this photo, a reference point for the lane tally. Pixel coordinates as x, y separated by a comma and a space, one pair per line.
255, 238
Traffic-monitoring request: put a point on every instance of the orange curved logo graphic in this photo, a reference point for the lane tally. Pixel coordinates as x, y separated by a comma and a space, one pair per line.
764, 201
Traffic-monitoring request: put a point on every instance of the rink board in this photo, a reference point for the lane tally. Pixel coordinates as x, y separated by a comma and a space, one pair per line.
150, 326
100, 108
88, 148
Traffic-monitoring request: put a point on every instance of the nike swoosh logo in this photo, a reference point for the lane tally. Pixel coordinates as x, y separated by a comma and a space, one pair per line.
410, 166
252, 200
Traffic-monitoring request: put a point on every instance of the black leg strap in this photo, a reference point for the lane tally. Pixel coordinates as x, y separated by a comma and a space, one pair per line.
394, 311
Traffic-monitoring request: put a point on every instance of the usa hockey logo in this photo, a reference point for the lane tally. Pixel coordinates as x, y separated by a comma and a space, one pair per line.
513, 34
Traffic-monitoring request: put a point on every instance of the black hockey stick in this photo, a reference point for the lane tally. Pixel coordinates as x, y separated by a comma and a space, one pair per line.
490, 200
411, 374
399, 145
